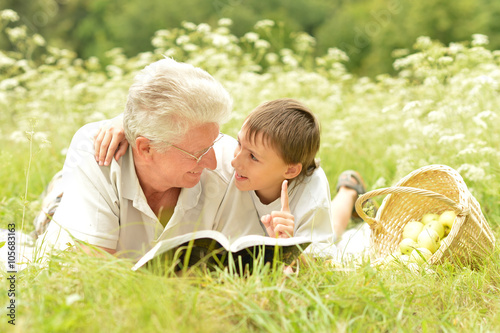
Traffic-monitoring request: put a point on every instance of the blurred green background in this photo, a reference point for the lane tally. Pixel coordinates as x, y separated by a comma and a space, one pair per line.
367, 30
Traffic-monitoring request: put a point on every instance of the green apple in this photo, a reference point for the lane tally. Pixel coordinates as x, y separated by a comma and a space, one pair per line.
427, 218
447, 219
407, 245
412, 229
420, 255
429, 239
437, 226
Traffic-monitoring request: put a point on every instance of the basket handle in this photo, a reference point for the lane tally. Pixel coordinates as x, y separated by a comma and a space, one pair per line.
457, 208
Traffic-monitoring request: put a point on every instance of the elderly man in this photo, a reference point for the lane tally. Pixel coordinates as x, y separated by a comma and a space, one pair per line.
168, 182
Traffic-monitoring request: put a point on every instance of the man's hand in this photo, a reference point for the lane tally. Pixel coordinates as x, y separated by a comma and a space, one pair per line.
280, 224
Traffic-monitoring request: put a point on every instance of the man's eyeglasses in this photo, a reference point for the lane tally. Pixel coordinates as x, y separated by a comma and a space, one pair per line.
201, 153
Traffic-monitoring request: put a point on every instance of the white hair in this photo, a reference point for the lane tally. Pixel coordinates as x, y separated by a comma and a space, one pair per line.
168, 97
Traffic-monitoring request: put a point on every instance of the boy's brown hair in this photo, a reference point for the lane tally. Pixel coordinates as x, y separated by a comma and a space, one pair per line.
290, 128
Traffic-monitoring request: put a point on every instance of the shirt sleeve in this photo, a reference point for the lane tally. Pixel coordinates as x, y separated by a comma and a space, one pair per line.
89, 209
313, 209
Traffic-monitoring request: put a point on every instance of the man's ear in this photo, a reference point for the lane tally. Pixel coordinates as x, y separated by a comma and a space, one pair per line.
143, 147
293, 170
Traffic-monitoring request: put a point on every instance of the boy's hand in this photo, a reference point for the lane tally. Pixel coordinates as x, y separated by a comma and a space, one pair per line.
108, 142
280, 223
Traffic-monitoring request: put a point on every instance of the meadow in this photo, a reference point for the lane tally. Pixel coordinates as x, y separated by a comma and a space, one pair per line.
442, 107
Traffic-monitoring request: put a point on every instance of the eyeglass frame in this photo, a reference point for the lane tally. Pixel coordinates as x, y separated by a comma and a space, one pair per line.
205, 151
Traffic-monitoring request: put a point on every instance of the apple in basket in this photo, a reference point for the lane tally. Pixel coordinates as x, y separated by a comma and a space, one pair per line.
429, 239
427, 218
436, 226
407, 245
412, 229
420, 255
447, 219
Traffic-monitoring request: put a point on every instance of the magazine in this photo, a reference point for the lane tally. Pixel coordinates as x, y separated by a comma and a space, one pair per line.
215, 249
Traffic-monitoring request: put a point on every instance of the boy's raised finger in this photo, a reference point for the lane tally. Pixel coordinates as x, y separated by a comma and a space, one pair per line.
285, 207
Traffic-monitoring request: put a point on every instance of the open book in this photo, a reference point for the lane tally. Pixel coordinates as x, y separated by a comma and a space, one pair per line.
214, 249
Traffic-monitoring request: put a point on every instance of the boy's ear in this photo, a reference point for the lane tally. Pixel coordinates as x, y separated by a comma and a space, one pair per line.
293, 170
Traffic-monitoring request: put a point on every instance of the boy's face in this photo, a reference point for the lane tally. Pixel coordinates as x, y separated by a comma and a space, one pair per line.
258, 167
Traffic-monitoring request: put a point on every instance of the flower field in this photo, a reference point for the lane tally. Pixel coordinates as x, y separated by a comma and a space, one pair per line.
442, 107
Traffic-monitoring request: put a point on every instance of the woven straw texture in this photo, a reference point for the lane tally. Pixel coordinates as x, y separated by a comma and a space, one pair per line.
431, 189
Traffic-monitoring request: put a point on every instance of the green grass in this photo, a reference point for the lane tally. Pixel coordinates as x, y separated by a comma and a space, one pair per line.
435, 110
82, 294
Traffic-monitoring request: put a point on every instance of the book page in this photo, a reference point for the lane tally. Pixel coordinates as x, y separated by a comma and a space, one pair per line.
171, 243
255, 240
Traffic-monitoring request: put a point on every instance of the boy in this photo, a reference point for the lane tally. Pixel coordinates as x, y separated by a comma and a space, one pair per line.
277, 180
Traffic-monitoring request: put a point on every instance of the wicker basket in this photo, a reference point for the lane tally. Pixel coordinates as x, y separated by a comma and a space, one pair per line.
431, 189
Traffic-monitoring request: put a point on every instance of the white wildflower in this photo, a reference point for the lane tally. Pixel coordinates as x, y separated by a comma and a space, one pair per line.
225, 22
450, 139
38, 40
411, 106
431, 81
430, 130
170, 53
251, 36
8, 84
158, 42
410, 124
480, 122
264, 24
272, 58
487, 114
182, 40
6, 61
472, 172
469, 150
337, 54
163, 33
446, 60
290, 61
73, 298
486, 80
17, 137
437, 115
114, 70
188, 25
203, 28
479, 40
304, 41
399, 53
9, 15
190, 47
455, 48
423, 43
219, 41
16, 33
262, 44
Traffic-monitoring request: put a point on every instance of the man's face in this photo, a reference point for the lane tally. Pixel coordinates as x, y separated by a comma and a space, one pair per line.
176, 168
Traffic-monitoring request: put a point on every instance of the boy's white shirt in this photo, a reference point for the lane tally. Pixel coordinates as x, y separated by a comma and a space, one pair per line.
309, 202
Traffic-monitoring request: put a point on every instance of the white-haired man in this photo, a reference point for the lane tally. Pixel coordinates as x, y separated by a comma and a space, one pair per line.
168, 182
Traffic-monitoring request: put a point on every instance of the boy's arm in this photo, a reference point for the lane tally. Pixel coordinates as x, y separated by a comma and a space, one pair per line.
110, 141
